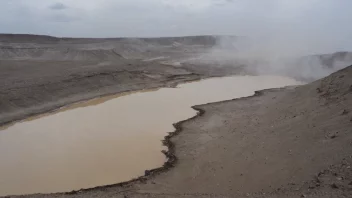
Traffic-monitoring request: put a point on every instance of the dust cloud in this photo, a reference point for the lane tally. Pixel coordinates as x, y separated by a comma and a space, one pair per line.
292, 56
306, 40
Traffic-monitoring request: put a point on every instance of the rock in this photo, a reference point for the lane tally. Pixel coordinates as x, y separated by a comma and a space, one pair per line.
334, 186
319, 90
303, 195
332, 135
344, 112
147, 172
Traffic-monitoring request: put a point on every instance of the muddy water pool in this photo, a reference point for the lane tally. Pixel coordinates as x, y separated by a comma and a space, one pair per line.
107, 140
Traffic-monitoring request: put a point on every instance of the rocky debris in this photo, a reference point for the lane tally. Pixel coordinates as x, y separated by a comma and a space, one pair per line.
334, 186
344, 112
147, 172
332, 135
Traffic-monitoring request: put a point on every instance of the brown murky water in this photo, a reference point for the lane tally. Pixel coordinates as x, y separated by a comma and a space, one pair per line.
107, 140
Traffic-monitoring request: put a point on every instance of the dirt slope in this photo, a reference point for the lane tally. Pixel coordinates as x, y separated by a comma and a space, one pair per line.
271, 144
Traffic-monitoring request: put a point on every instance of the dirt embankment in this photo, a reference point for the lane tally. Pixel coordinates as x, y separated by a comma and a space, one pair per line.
31, 87
42, 73
290, 142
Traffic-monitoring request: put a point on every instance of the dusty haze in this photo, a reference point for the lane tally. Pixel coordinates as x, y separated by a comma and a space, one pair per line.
274, 34
300, 58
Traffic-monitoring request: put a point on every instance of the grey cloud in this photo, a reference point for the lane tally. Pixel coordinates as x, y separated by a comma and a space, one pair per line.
222, 2
63, 18
58, 6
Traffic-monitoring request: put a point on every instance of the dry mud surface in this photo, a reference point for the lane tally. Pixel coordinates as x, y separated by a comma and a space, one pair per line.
292, 142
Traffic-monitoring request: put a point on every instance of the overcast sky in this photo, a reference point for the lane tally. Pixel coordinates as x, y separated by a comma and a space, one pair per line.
323, 20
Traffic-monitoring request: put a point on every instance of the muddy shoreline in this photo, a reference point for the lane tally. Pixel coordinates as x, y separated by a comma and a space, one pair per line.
58, 84
170, 154
56, 108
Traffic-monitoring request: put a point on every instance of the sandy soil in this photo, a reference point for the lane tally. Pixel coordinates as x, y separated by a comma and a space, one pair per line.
293, 142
